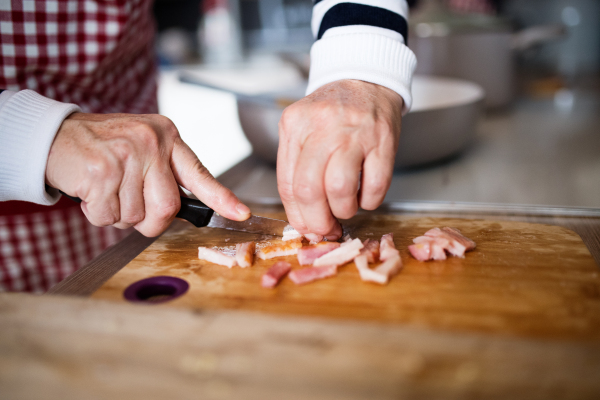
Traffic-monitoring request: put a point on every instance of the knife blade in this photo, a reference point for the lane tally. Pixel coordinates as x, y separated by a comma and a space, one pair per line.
200, 215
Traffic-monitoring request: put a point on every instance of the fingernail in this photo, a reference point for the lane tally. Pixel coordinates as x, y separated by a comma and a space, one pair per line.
313, 237
242, 209
332, 238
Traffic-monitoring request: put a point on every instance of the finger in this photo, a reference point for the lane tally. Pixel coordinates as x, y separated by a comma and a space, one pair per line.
378, 170
161, 200
287, 157
342, 181
192, 175
99, 193
131, 196
309, 189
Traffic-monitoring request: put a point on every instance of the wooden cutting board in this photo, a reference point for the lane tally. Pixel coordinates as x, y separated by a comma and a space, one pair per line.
522, 279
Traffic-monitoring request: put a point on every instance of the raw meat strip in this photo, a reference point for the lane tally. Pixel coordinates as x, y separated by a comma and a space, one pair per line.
290, 233
306, 275
366, 273
421, 251
275, 274
437, 241
459, 237
214, 256
390, 267
458, 244
371, 250
387, 248
437, 246
342, 255
308, 254
287, 248
244, 254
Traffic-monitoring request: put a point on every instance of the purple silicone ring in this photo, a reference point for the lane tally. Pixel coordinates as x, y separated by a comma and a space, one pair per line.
157, 289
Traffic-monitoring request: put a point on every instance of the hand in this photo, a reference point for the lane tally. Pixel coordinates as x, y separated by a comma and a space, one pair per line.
127, 168
337, 149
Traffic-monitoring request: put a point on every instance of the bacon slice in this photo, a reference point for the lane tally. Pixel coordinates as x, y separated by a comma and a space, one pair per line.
437, 246
387, 249
421, 251
371, 250
367, 274
214, 256
342, 255
244, 254
290, 233
287, 248
306, 275
390, 267
275, 274
308, 254
436, 241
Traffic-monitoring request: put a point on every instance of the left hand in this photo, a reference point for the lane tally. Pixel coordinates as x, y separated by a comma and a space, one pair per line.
326, 140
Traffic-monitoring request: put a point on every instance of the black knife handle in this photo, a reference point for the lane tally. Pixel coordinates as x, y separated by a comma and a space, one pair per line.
195, 211
191, 210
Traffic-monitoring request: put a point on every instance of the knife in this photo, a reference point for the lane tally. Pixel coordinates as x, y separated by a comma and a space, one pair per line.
201, 215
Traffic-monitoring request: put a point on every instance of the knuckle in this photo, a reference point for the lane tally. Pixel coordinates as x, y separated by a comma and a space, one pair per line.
123, 148
147, 135
341, 187
101, 168
167, 211
104, 219
133, 218
377, 186
346, 211
168, 126
305, 192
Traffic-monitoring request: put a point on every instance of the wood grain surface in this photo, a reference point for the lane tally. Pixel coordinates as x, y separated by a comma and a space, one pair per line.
66, 348
523, 279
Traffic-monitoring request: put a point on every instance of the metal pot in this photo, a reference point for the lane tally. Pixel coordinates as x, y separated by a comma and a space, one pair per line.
478, 48
441, 122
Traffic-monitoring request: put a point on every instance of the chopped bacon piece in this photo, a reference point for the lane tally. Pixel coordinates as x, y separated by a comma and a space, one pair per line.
290, 233
371, 250
287, 248
420, 251
437, 241
214, 256
459, 237
387, 248
367, 274
342, 255
390, 267
306, 275
308, 254
244, 254
436, 245
275, 274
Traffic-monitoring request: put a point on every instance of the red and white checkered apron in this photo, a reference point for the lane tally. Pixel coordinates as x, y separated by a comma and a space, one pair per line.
99, 55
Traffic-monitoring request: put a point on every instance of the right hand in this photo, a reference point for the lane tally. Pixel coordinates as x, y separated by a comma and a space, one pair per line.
127, 170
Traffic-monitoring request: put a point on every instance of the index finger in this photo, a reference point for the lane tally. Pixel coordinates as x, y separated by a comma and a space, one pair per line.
191, 174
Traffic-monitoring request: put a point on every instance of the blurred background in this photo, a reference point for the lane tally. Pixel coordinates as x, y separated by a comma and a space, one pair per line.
514, 84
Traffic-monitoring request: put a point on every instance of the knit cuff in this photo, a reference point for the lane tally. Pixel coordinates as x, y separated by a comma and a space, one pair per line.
366, 56
28, 124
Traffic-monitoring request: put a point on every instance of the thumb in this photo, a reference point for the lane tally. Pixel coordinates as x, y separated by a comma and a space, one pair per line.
191, 174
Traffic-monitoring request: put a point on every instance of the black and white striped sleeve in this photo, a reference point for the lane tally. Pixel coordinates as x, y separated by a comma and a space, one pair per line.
364, 40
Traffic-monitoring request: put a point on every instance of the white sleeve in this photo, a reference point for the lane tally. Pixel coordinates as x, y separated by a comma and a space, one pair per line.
364, 40
28, 124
